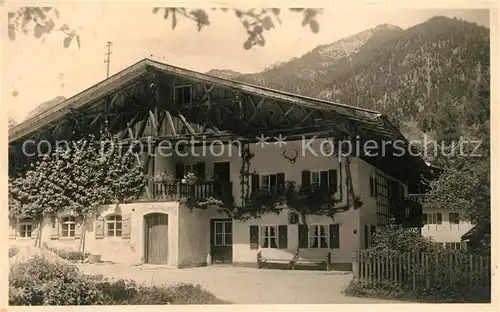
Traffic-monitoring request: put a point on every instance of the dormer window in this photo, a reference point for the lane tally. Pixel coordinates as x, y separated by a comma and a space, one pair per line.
183, 95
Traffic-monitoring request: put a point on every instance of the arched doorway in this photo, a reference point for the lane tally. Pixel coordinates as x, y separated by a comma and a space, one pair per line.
156, 238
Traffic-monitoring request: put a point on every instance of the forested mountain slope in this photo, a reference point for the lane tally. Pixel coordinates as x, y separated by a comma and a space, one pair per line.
431, 78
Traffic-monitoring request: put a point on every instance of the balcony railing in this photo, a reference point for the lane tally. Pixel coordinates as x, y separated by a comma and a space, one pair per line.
162, 191
420, 198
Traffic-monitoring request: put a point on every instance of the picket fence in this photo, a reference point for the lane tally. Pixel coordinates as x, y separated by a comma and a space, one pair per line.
422, 270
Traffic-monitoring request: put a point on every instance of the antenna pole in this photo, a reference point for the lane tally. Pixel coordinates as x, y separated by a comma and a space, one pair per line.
107, 60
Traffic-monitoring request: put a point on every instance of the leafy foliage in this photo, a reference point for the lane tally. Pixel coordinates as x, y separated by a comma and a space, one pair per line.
40, 282
255, 21
80, 176
395, 238
40, 21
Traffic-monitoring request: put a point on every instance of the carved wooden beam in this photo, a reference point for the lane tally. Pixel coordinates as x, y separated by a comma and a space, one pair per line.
256, 107
186, 124
170, 122
154, 124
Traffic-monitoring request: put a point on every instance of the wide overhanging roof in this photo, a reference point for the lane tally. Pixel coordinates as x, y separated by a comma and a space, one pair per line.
372, 120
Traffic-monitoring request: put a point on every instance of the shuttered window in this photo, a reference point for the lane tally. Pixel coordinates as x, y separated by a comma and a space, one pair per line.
25, 228
319, 236
68, 227
273, 236
114, 225
322, 178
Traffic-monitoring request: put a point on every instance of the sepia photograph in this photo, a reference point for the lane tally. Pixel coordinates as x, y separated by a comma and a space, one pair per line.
163, 154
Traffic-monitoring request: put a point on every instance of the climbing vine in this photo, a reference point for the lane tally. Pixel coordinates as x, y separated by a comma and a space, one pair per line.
79, 177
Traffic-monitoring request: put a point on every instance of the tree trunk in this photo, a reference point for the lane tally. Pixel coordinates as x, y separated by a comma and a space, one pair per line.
83, 238
38, 240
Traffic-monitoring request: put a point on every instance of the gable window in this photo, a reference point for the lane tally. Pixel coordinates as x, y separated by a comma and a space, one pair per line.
183, 94
68, 225
26, 227
114, 225
434, 218
454, 218
318, 236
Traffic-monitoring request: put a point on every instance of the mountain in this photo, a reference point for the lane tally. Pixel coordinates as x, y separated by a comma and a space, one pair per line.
433, 77
45, 106
224, 73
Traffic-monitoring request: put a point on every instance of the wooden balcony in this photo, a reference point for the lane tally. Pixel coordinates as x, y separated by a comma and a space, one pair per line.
420, 198
161, 191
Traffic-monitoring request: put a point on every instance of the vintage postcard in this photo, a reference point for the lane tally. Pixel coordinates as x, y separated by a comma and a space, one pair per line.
246, 153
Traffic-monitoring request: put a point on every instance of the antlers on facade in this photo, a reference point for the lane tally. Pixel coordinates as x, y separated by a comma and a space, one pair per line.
291, 159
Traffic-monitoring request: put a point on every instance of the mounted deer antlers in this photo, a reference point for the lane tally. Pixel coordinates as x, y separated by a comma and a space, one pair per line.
291, 159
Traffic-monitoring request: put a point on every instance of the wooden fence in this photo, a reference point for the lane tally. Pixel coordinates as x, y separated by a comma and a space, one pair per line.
441, 270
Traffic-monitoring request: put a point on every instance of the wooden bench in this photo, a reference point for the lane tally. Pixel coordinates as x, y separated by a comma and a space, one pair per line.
291, 263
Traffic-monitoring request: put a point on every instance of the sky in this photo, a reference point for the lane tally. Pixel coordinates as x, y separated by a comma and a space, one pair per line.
35, 71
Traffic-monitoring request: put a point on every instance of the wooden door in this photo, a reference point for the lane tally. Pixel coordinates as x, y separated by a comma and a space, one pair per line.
222, 177
221, 241
156, 238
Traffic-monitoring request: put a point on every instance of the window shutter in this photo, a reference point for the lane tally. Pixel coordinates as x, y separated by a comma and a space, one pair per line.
78, 227
323, 179
280, 179
332, 181
306, 178
126, 226
179, 171
439, 218
272, 181
372, 187
12, 229
283, 236
303, 236
255, 183
99, 228
200, 171
334, 236
424, 218
54, 231
254, 237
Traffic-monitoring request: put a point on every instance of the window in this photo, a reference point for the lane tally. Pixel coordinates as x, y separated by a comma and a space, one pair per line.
25, 227
434, 218
454, 245
114, 225
454, 218
68, 225
183, 94
324, 178
269, 236
268, 181
318, 236
223, 234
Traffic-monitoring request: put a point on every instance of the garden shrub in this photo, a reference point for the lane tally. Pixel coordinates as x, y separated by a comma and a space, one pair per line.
422, 268
70, 255
40, 282
13, 251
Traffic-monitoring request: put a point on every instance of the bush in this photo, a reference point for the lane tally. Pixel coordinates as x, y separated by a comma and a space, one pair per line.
13, 251
40, 282
381, 290
388, 290
70, 255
